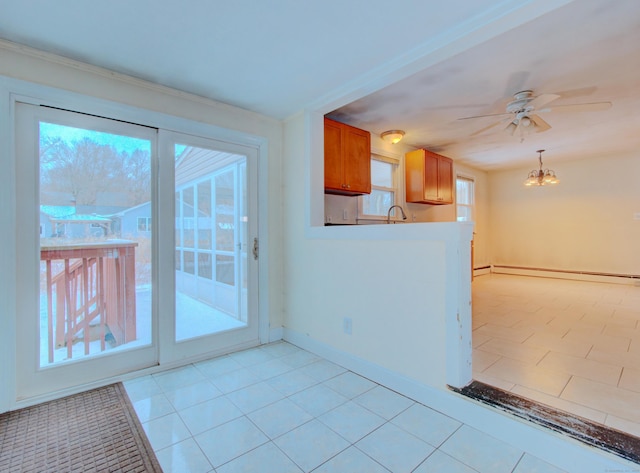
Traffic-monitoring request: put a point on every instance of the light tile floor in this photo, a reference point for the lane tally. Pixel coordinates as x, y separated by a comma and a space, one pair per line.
278, 408
571, 345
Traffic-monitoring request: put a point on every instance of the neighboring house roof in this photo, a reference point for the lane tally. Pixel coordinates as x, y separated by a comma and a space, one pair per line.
58, 211
193, 163
105, 210
122, 212
67, 213
78, 218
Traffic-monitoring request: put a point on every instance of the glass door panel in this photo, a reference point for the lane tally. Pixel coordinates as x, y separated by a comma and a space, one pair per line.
210, 190
86, 220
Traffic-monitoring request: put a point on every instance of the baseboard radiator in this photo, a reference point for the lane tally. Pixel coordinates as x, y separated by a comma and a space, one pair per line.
633, 279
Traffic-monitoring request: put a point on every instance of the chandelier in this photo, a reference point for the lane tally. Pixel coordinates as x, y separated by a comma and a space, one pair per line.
538, 177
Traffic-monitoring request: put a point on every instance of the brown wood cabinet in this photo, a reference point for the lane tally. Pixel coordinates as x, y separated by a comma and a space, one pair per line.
429, 177
347, 159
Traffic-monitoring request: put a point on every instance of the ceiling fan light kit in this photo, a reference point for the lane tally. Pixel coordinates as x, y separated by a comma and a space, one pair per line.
538, 177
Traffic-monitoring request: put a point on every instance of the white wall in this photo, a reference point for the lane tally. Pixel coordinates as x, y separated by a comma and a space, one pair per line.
585, 223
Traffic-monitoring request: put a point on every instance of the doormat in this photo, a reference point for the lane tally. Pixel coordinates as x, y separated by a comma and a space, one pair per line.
591, 433
94, 431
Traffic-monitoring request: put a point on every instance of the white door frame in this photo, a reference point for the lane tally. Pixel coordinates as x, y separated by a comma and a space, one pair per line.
15, 90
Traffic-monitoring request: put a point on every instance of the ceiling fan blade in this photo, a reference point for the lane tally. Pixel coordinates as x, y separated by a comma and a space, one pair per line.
512, 127
579, 107
541, 101
540, 124
482, 130
483, 116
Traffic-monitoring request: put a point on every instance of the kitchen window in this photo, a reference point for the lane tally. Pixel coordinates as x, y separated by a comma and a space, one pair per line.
384, 188
464, 198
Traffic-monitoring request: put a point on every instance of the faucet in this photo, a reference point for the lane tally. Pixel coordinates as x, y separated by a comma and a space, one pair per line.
404, 217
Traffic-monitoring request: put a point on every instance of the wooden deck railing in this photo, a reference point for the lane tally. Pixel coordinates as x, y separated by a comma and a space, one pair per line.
92, 289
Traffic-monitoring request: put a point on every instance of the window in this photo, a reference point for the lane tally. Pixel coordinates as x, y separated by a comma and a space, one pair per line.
384, 188
144, 224
464, 198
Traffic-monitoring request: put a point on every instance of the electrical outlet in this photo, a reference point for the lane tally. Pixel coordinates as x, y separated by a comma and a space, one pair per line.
347, 325
345, 215
636, 216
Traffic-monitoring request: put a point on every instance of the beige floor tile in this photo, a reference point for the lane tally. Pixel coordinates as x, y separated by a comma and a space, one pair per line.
561, 404
483, 359
625, 359
488, 311
589, 369
517, 372
630, 380
606, 309
623, 425
514, 350
630, 309
594, 321
540, 326
622, 328
603, 397
495, 382
582, 305
478, 339
613, 344
598, 340
556, 343
575, 328
508, 319
529, 306
518, 335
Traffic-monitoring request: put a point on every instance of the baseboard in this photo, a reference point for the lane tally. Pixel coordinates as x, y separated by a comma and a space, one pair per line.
552, 447
481, 271
275, 334
562, 274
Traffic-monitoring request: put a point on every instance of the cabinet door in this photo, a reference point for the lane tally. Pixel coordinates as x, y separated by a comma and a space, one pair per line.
333, 162
431, 180
357, 160
445, 180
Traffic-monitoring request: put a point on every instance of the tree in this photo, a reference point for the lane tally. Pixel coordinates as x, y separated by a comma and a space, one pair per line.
89, 171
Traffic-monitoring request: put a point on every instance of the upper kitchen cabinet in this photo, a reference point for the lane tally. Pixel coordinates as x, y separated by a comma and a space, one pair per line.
347, 159
429, 177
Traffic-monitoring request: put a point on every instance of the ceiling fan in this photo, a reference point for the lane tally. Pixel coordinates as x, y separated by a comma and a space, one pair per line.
523, 111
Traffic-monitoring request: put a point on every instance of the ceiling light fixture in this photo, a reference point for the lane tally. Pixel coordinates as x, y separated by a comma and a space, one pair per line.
392, 136
538, 177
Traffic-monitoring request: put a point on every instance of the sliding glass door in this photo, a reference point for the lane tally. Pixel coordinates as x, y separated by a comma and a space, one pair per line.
132, 248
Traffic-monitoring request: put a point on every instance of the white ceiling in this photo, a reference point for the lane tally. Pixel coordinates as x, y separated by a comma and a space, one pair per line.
417, 66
